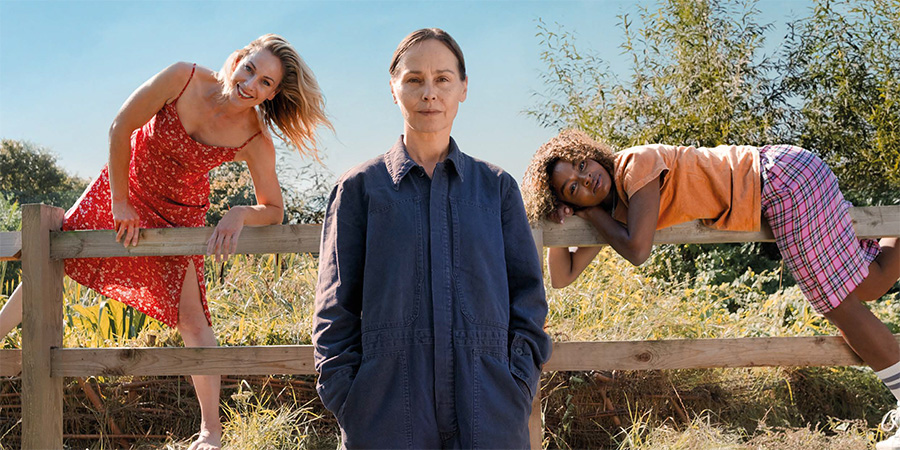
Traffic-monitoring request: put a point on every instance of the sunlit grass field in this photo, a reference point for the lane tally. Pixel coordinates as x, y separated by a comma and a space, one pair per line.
268, 300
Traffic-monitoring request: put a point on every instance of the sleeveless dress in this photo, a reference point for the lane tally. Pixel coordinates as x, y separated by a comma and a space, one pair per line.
168, 185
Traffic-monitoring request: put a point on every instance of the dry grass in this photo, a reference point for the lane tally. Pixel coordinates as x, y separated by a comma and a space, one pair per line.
832, 407
253, 303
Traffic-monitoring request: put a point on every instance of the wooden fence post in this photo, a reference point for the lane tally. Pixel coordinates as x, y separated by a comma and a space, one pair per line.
42, 329
535, 423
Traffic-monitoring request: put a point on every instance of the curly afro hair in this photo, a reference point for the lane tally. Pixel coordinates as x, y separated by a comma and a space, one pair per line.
569, 145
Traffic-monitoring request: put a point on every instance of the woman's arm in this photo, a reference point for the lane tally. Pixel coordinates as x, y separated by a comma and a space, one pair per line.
143, 103
268, 210
565, 266
530, 346
337, 325
633, 240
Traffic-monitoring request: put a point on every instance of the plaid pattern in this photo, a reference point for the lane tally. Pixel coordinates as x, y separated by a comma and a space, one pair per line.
802, 203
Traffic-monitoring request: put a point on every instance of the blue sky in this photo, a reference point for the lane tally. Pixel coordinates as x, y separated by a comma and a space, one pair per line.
67, 66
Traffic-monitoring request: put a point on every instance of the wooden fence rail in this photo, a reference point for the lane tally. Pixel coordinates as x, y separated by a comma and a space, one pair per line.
43, 362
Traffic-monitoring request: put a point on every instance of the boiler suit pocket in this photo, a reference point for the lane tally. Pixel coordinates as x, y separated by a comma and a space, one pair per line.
376, 413
501, 406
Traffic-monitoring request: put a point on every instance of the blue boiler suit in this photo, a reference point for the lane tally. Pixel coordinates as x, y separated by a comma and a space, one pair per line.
430, 306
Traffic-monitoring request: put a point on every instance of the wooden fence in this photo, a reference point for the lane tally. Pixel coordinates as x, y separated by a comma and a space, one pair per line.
43, 362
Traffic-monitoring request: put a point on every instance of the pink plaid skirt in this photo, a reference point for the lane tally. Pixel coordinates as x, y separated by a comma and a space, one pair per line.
802, 203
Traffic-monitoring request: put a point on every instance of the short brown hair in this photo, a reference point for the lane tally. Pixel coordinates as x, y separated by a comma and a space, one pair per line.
423, 35
569, 145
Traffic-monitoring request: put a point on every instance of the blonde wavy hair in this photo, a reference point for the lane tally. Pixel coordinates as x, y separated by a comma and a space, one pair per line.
569, 145
299, 107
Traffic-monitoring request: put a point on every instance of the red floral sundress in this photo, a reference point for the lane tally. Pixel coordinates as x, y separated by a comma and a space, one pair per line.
168, 185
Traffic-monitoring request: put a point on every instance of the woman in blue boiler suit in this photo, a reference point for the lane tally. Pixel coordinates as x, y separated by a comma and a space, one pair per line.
430, 304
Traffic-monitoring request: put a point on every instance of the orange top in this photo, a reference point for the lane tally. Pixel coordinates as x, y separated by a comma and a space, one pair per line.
720, 186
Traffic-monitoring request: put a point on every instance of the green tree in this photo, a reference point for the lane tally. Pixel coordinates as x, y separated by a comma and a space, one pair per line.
10, 220
696, 78
230, 185
842, 66
304, 189
29, 174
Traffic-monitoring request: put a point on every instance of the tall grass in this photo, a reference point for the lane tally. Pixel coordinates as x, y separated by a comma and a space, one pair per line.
268, 300
252, 423
613, 300
254, 300
778, 407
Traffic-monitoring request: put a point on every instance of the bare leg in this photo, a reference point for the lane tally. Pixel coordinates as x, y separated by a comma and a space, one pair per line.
196, 332
11, 314
865, 334
883, 272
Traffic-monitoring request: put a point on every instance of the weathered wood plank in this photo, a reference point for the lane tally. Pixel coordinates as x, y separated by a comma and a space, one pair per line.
262, 360
703, 353
42, 329
185, 241
10, 245
535, 419
869, 222
10, 362
875, 221
612, 355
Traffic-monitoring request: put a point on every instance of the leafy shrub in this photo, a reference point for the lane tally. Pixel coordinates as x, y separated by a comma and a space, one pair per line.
841, 69
304, 189
29, 174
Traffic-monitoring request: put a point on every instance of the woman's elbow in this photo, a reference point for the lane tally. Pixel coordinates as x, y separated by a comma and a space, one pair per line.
638, 256
558, 281
277, 214
116, 129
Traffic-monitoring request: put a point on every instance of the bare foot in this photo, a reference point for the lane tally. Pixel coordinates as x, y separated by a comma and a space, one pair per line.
207, 441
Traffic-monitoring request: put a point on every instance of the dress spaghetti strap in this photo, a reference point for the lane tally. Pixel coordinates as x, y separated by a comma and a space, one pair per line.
250, 139
193, 68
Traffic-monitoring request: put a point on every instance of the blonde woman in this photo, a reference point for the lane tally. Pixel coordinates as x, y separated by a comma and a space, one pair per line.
167, 136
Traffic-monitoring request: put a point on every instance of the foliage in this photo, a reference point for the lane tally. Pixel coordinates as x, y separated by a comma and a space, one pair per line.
98, 321
29, 174
841, 67
748, 408
703, 434
695, 79
252, 423
713, 264
10, 213
264, 300
10, 220
304, 189
268, 300
230, 185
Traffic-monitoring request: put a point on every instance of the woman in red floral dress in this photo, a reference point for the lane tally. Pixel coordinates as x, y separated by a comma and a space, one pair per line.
168, 135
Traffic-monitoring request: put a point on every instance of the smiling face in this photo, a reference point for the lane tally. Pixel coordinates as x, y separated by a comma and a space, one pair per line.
582, 183
256, 77
428, 88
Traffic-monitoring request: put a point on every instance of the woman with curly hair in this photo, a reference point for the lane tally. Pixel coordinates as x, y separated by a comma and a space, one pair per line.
629, 195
